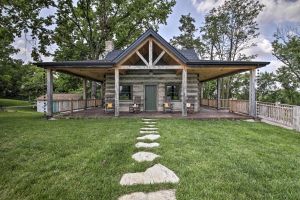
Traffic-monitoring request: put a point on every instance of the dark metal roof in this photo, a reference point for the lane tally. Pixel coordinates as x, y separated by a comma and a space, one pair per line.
187, 56
200, 63
85, 63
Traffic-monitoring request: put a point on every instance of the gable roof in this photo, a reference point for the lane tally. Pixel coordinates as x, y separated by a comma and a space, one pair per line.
144, 36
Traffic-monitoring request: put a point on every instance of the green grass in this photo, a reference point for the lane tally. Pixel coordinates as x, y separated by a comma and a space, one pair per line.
13, 102
85, 159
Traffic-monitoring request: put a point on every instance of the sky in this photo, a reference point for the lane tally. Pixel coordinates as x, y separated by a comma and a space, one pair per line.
277, 13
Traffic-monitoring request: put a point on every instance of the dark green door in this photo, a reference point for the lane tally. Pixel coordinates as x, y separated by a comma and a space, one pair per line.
150, 97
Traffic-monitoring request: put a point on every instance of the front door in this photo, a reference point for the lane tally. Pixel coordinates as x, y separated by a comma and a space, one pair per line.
150, 97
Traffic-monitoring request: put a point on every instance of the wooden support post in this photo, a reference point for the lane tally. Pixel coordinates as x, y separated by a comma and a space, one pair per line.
296, 118
71, 100
184, 92
150, 52
201, 92
219, 93
84, 93
49, 93
117, 88
252, 93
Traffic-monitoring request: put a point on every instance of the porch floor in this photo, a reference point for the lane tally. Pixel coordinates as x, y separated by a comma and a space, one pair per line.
204, 113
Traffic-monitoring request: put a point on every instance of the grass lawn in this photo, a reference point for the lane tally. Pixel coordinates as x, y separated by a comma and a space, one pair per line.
13, 102
85, 159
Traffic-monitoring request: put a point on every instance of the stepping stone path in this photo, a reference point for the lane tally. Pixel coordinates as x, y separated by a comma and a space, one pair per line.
151, 137
163, 194
146, 145
144, 156
156, 174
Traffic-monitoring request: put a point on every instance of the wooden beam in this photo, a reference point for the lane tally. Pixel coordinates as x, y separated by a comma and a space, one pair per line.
84, 92
184, 92
169, 53
150, 67
150, 52
159, 57
219, 93
142, 58
49, 93
252, 93
117, 88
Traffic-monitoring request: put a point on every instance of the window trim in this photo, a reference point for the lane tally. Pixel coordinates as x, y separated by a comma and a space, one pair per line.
179, 92
131, 91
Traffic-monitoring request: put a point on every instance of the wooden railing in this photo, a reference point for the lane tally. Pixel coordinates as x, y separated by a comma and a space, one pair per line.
279, 113
282, 114
71, 105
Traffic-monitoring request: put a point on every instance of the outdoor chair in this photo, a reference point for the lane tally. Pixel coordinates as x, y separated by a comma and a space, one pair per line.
168, 105
135, 107
190, 105
109, 104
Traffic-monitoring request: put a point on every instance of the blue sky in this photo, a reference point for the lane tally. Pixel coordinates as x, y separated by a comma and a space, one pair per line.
277, 13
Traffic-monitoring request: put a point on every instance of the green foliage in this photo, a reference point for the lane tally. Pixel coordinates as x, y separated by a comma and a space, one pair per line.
187, 38
13, 102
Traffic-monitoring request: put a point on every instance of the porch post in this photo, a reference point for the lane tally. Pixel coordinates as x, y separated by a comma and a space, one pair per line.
84, 93
49, 93
201, 84
117, 92
184, 92
252, 93
219, 93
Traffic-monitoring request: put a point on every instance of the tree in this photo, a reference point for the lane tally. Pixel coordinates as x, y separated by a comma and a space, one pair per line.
228, 31
286, 48
187, 38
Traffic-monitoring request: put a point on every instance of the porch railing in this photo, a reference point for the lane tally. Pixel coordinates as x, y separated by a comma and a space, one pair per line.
282, 114
72, 105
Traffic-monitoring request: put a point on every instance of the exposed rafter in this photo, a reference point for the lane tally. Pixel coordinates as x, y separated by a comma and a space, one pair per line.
159, 57
142, 58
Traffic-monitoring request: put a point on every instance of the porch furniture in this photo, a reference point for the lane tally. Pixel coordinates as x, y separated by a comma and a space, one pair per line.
135, 107
190, 105
109, 104
168, 105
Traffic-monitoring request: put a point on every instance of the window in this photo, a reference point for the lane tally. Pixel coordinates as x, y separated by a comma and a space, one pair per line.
125, 92
173, 92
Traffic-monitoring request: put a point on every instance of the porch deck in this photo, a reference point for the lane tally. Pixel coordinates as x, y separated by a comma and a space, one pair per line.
204, 113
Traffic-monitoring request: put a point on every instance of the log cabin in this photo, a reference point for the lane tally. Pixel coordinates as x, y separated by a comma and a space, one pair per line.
154, 70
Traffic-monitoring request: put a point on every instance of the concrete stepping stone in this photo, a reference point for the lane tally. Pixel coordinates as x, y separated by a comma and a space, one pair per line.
144, 156
149, 125
148, 132
153, 175
144, 119
146, 145
159, 195
149, 129
149, 122
151, 137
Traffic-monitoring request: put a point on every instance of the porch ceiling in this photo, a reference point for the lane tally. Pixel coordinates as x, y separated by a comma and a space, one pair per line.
96, 74
213, 72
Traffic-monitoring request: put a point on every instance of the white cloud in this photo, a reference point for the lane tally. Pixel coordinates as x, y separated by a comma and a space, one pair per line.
277, 11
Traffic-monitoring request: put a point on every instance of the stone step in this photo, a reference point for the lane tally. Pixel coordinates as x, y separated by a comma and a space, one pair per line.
146, 145
149, 125
159, 195
151, 137
149, 129
148, 132
149, 122
153, 175
143, 156
148, 119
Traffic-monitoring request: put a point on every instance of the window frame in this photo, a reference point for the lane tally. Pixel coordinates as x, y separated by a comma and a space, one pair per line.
131, 92
179, 91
